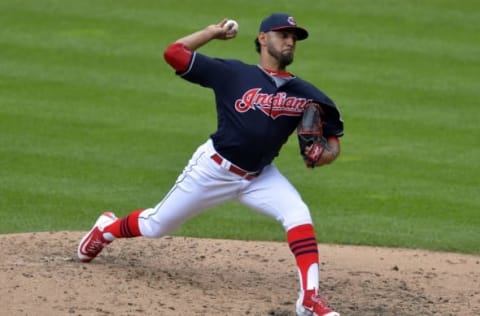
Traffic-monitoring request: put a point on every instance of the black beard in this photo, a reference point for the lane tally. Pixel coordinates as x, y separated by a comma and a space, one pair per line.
283, 59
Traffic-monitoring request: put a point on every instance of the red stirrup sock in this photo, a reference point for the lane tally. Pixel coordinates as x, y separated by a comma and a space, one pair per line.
125, 227
303, 245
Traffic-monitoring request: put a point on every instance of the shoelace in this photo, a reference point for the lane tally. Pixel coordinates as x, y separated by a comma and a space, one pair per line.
317, 299
95, 246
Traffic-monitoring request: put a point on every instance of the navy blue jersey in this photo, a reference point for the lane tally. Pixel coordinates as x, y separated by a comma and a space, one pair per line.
256, 115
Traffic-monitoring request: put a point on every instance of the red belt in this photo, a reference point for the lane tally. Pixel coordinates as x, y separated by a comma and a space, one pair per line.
234, 169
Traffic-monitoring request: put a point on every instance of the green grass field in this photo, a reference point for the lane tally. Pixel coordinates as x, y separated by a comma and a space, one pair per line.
91, 117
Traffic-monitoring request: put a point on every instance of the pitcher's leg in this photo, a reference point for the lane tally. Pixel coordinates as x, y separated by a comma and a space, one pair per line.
175, 208
196, 189
273, 195
184, 200
201, 185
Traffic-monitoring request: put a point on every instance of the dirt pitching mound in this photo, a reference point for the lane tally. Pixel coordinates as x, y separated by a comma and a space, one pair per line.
40, 275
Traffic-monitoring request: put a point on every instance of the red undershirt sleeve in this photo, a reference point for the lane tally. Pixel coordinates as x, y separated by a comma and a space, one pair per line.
178, 56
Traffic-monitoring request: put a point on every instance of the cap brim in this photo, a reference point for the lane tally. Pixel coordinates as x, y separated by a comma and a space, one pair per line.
300, 32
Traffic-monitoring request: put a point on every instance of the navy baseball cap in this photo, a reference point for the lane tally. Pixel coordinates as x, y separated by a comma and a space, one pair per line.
283, 22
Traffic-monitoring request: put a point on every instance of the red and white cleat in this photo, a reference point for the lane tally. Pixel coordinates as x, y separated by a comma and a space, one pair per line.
311, 304
95, 240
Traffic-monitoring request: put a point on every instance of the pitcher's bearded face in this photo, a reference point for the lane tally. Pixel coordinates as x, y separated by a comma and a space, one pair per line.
281, 46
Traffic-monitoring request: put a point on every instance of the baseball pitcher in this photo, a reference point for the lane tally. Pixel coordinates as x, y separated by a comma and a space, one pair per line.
258, 107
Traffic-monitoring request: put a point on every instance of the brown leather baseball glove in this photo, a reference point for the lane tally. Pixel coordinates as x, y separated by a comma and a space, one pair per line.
310, 134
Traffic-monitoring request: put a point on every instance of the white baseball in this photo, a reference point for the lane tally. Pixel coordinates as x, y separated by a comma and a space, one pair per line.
232, 26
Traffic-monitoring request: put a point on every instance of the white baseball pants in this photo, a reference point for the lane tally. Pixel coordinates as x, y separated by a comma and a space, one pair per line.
204, 183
